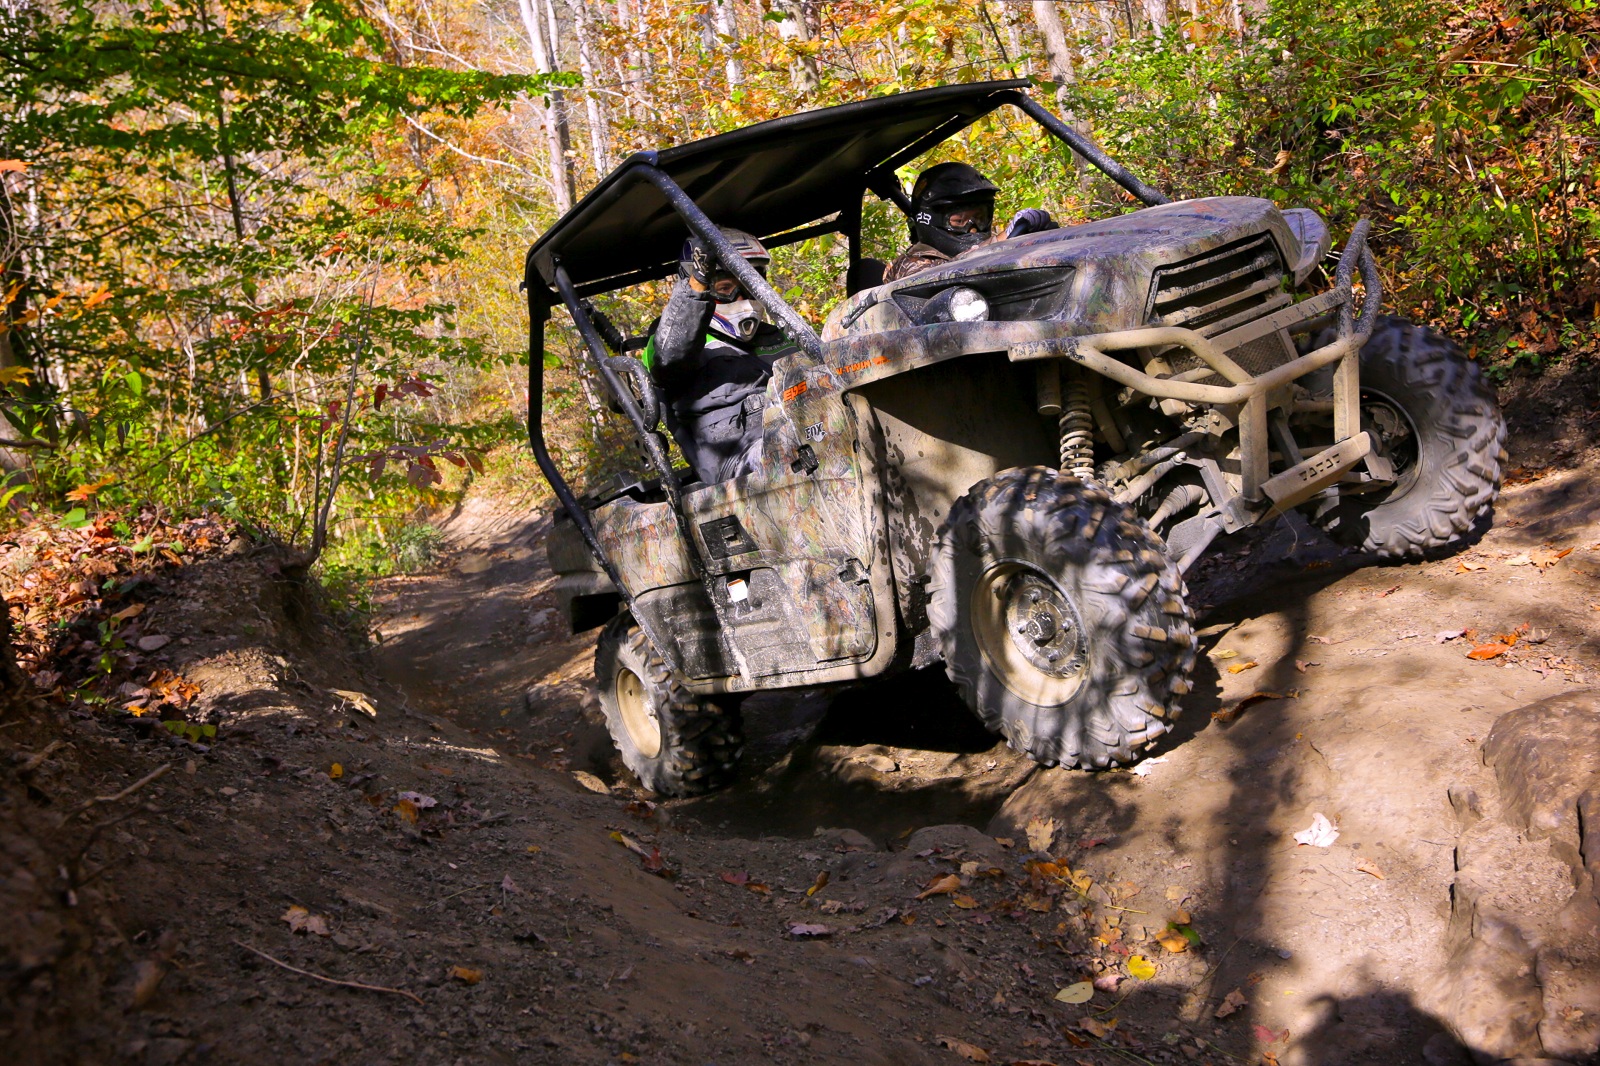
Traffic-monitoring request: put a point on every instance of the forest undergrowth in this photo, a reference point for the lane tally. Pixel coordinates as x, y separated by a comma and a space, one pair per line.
260, 259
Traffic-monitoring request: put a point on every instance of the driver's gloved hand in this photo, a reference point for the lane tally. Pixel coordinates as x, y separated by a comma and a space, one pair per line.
1030, 220
701, 263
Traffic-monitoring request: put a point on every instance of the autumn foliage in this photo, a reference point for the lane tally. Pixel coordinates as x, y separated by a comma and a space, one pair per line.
262, 258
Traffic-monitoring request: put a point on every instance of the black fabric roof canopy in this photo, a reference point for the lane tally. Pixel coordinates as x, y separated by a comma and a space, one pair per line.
768, 179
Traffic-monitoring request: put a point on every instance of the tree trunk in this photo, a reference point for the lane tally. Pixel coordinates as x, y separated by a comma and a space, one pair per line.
553, 113
1107, 10
1014, 37
630, 19
728, 29
1055, 46
1061, 68
599, 129
1155, 12
795, 27
708, 28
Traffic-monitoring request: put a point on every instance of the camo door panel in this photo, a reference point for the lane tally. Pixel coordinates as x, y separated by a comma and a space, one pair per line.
789, 547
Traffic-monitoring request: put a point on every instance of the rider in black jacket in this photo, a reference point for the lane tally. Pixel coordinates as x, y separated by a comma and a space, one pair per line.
711, 354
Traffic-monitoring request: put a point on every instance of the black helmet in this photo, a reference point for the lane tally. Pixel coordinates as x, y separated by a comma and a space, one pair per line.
952, 208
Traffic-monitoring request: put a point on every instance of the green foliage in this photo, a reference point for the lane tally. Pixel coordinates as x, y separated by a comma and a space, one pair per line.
1466, 134
227, 284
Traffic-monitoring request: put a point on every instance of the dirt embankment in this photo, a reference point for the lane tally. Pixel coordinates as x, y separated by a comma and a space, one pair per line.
390, 855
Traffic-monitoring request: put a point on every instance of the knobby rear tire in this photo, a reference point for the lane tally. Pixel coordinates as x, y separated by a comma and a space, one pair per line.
700, 740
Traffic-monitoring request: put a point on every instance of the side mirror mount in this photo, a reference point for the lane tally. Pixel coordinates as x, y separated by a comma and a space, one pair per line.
1311, 234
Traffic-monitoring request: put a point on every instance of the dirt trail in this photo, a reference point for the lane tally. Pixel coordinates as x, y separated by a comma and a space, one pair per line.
453, 854
1377, 716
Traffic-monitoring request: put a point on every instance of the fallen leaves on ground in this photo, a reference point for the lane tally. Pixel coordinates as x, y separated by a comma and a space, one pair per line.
820, 883
970, 1052
1231, 1003
355, 699
591, 782
1041, 834
941, 886
1173, 940
1141, 967
1320, 834
1146, 766
1524, 475
1367, 866
1228, 714
1239, 668
809, 930
650, 858
147, 978
1269, 1036
1082, 992
1225, 653
466, 974
303, 921
1303, 665
1501, 643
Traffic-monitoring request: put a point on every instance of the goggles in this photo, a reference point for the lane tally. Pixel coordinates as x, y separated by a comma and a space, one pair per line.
970, 217
726, 288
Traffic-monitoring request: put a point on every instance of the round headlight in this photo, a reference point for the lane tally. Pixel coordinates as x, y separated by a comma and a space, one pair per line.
968, 305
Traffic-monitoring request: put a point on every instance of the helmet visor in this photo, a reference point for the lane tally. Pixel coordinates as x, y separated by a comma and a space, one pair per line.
974, 216
726, 288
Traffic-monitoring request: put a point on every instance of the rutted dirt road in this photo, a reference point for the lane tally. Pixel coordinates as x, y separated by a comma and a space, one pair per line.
885, 884
1362, 706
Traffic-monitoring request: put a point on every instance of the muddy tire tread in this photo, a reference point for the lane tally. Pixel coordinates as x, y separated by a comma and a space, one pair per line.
701, 740
1142, 643
1438, 513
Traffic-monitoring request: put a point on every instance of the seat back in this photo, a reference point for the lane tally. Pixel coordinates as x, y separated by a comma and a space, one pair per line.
864, 274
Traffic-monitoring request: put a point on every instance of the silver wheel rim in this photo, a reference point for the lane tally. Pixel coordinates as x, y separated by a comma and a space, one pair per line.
638, 716
1030, 633
1375, 405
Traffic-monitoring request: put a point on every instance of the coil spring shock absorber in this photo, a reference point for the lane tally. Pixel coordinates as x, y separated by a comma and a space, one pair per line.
1076, 424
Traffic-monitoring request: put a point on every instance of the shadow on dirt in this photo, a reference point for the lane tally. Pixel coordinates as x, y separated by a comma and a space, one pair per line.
881, 758
1378, 1024
917, 710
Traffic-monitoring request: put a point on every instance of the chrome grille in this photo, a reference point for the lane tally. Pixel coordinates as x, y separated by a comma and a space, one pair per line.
1215, 292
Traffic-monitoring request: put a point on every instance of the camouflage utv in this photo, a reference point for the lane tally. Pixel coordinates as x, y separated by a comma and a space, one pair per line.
1006, 462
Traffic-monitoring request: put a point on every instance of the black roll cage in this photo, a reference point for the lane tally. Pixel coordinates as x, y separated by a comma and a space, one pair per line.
643, 166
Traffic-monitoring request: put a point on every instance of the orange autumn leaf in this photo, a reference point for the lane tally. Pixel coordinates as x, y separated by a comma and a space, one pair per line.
1488, 651
466, 974
83, 492
941, 886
